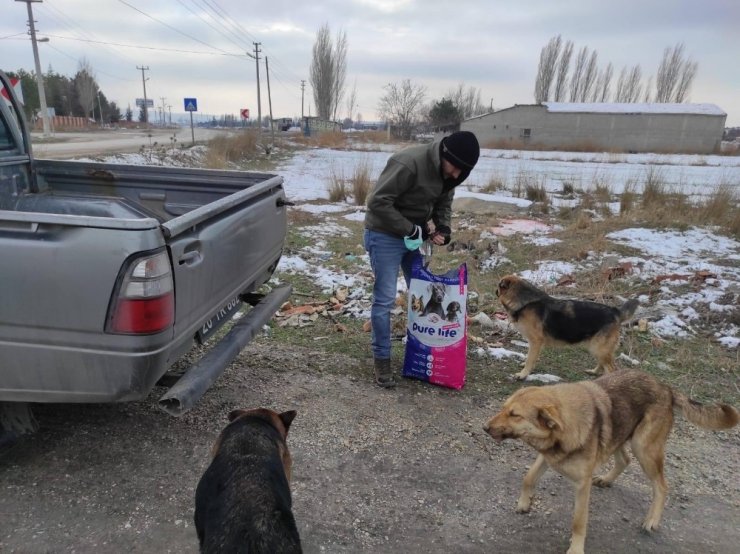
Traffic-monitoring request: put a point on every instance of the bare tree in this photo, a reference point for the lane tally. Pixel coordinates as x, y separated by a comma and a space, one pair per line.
340, 69
352, 101
684, 84
467, 101
603, 84
576, 80
619, 93
561, 80
629, 87
401, 105
675, 75
588, 80
85, 85
547, 68
634, 85
328, 72
647, 98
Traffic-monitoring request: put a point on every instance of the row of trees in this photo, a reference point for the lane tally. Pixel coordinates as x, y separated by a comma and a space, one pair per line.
78, 96
403, 103
585, 82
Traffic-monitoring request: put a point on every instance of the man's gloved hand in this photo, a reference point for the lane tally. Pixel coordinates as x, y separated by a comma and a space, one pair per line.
445, 232
413, 241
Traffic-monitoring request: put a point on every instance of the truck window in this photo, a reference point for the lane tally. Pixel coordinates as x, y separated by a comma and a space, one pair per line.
6, 139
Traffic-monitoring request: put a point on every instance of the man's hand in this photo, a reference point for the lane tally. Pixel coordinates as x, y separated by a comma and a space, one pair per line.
413, 240
442, 235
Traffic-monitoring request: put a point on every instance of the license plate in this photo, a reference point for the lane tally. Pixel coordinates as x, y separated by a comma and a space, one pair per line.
209, 328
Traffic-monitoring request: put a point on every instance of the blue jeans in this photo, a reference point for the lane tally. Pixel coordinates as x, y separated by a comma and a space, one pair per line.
387, 254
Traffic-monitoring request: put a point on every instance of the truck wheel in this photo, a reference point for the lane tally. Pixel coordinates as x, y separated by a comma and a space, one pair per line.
16, 419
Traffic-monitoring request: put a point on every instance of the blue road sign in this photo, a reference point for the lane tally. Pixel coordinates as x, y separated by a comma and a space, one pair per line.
191, 104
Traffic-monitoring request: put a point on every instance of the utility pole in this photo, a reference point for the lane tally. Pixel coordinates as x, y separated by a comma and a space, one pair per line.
100, 109
303, 87
143, 82
269, 100
169, 107
39, 76
259, 104
164, 118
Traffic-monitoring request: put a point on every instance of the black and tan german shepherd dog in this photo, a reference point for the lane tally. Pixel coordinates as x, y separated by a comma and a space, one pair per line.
243, 501
544, 320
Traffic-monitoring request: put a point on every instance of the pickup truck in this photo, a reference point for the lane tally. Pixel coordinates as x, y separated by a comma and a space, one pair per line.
110, 273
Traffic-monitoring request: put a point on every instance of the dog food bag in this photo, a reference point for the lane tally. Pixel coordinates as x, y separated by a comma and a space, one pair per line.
436, 343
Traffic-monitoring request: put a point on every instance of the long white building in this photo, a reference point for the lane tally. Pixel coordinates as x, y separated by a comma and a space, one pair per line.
691, 128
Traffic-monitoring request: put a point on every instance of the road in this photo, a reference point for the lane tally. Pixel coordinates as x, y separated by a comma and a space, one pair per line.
63, 145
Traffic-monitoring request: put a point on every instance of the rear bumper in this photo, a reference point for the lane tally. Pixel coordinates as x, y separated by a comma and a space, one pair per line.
49, 373
200, 376
60, 374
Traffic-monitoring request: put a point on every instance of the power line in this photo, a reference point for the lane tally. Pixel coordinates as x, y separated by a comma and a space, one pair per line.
169, 26
147, 47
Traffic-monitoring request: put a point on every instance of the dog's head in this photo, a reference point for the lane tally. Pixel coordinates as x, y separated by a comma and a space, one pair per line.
280, 421
529, 415
514, 292
453, 308
417, 304
437, 292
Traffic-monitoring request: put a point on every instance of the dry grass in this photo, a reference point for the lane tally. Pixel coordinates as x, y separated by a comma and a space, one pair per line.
535, 192
495, 183
722, 208
237, 148
628, 198
361, 182
337, 186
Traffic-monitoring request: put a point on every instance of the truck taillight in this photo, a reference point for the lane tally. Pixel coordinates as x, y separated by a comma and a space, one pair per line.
145, 300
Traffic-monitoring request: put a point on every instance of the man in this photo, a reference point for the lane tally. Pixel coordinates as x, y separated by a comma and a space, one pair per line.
411, 202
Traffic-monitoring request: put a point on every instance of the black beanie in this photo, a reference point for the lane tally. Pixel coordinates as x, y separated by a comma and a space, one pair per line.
461, 149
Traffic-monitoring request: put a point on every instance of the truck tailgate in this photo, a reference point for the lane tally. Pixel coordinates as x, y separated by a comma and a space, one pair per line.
211, 264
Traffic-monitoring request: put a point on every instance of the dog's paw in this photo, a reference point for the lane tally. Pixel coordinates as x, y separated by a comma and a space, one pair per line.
521, 376
575, 550
650, 524
523, 505
601, 481
594, 371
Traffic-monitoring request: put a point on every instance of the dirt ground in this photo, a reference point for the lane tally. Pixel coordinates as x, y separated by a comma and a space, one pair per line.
407, 470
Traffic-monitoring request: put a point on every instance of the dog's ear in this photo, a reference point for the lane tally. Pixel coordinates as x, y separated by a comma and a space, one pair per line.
549, 417
287, 418
233, 414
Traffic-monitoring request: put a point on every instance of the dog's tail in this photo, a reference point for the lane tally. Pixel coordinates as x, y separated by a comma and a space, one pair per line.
712, 416
627, 309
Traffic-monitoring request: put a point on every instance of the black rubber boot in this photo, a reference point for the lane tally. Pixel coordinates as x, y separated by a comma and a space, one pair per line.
383, 373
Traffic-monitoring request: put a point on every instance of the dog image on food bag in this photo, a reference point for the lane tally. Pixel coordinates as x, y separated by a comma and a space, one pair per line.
547, 321
243, 501
576, 427
437, 293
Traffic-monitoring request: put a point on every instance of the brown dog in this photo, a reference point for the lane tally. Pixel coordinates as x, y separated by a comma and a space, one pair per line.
547, 321
243, 501
576, 427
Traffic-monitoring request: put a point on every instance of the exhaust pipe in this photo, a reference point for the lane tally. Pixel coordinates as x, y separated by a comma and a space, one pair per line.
183, 395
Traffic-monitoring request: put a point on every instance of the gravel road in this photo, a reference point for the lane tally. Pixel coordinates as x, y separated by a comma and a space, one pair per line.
408, 470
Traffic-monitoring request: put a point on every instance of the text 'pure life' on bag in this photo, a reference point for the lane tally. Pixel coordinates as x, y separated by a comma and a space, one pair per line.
437, 333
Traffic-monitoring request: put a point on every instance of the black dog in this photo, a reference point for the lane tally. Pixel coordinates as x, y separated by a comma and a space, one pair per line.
436, 296
453, 308
243, 501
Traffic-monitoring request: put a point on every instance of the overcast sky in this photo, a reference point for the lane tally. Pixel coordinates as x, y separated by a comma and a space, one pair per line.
197, 48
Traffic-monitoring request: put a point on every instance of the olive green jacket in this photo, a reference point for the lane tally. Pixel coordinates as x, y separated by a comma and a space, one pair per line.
411, 191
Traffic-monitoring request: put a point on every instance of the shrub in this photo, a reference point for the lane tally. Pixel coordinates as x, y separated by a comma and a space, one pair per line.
361, 182
235, 148
337, 187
